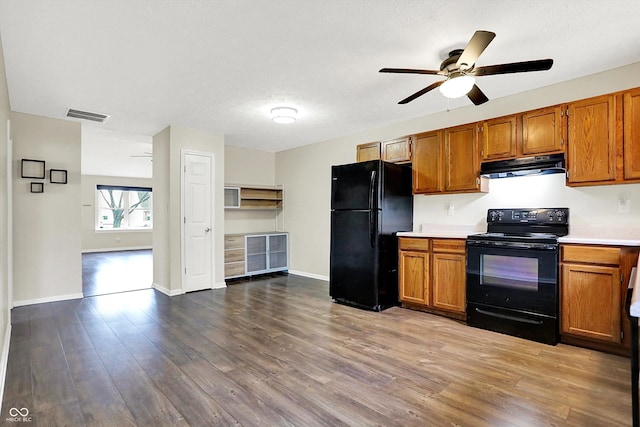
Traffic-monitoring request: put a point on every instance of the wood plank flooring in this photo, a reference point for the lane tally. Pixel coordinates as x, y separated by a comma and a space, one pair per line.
277, 352
118, 271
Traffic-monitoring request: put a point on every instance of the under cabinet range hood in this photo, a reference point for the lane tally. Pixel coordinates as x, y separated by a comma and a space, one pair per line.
535, 165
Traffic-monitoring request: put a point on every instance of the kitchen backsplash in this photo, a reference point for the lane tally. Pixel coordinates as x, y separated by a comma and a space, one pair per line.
592, 209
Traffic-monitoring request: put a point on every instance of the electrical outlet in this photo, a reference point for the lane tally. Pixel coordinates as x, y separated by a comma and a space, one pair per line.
450, 210
624, 205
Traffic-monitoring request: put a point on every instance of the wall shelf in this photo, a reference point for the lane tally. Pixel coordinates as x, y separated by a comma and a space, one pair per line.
253, 197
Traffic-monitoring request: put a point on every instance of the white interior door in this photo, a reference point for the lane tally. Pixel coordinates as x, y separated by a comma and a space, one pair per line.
198, 222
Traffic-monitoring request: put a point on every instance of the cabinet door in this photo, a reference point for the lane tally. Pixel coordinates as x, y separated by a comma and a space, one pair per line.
499, 138
397, 150
592, 140
632, 134
449, 292
590, 299
256, 250
369, 151
542, 131
414, 277
278, 252
461, 158
427, 163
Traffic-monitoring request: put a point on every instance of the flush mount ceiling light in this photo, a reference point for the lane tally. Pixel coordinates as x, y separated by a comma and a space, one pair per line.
457, 85
284, 115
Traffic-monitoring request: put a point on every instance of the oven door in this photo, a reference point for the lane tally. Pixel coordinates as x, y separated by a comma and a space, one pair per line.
514, 276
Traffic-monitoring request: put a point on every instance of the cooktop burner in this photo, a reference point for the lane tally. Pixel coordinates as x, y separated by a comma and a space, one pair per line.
517, 237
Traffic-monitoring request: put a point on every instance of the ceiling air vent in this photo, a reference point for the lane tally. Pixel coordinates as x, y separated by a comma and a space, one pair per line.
86, 115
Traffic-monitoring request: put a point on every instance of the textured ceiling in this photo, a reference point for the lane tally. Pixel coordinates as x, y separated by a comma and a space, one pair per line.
222, 65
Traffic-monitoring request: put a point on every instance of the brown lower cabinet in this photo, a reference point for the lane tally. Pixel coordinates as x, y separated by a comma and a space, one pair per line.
593, 284
432, 275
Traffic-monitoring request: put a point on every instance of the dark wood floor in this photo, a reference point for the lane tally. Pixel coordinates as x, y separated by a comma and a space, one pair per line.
277, 351
119, 271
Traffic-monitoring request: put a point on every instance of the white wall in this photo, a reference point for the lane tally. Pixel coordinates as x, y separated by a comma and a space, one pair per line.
47, 239
98, 241
250, 167
5, 241
305, 172
167, 174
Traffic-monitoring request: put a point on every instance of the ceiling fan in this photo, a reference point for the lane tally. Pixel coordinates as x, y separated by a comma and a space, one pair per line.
460, 71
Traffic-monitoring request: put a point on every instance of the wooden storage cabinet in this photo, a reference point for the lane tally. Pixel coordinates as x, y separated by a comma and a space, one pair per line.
499, 138
592, 286
428, 163
397, 150
432, 275
448, 265
234, 255
253, 197
543, 131
368, 151
260, 253
631, 105
591, 156
447, 161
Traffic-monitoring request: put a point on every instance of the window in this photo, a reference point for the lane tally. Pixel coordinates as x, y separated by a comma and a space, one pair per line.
123, 208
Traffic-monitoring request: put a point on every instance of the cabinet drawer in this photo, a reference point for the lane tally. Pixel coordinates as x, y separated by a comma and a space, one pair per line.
449, 245
234, 269
591, 254
413, 243
234, 255
234, 241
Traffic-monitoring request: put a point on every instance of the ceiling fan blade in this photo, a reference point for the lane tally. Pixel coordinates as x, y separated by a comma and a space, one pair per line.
477, 96
514, 67
474, 49
421, 92
408, 71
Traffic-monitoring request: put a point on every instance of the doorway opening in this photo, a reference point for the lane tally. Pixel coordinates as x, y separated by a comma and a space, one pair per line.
117, 271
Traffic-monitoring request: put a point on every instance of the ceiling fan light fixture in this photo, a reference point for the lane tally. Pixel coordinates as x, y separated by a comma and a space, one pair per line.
457, 85
284, 115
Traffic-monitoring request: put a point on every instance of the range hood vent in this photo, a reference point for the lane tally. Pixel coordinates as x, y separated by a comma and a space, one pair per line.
86, 115
537, 165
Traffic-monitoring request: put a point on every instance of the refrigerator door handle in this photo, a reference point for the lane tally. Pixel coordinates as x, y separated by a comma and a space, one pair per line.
372, 190
372, 218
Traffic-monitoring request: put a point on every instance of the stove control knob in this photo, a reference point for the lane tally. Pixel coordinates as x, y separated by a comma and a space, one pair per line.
500, 215
492, 215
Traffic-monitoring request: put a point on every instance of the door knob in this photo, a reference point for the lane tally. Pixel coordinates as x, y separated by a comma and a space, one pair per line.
206, 230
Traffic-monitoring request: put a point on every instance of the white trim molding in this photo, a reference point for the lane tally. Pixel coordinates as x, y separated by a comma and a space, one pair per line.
309, 275
167, 292
48, 299
4, 361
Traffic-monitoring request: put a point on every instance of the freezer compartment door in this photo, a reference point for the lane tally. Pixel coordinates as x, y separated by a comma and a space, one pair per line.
353, 261
355, 186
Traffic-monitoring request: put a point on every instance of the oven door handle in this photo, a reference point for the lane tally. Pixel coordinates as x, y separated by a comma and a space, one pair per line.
508, 317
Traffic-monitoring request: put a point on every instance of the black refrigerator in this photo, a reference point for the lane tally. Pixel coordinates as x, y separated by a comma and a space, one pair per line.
370, 202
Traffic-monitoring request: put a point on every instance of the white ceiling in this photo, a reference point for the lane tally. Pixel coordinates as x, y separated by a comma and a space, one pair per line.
222, 65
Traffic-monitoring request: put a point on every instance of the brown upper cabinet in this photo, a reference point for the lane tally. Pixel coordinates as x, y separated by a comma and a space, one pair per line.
397, 150
368, 151
543, 131
461, 159
631, 120
591, 156
447, 161
526, 134
428, 170
499, 138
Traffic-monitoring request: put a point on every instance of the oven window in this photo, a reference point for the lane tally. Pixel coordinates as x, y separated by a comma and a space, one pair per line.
509, 272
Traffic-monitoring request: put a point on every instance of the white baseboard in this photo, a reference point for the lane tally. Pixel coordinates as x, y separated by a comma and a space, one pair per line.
219, 285
4, 360
309, 275
167, 292
129, 248
48, 299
